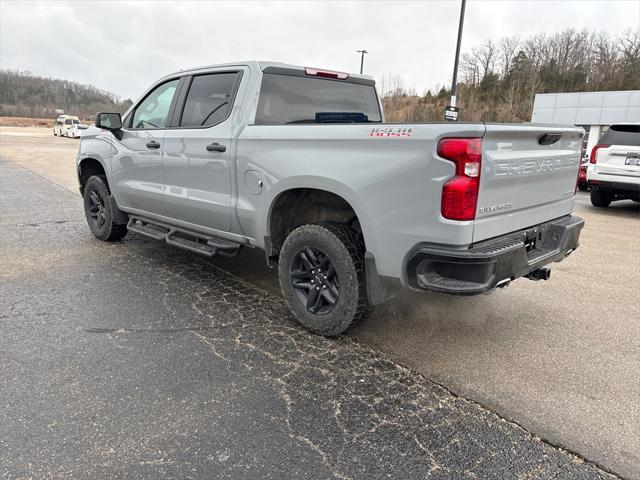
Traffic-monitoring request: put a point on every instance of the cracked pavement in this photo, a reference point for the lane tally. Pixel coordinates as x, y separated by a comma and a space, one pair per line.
136, 360
559, 358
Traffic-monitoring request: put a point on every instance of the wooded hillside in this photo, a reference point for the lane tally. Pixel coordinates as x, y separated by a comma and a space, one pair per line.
498, 80
23, 94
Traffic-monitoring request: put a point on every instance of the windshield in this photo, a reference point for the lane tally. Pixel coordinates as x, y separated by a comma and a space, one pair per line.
288, 99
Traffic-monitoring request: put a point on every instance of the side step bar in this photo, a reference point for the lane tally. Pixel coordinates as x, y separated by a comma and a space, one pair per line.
185, 239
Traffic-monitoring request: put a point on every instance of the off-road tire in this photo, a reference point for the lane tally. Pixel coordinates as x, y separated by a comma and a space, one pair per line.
107, 230
600, 198
346, 252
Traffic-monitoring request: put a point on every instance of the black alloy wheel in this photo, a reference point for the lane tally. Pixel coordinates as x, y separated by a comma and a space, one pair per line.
96, 211
314, 278
321, 273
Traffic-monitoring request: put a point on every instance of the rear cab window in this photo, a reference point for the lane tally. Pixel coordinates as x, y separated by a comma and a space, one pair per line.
209, 99
628, 135
300, 99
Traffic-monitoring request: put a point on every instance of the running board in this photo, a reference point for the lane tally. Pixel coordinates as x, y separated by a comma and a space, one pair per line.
185, 239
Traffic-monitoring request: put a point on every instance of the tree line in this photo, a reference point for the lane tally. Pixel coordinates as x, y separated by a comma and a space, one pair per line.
23, 94
499, 79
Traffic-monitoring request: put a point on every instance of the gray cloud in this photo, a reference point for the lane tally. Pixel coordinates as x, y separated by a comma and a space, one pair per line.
124, 46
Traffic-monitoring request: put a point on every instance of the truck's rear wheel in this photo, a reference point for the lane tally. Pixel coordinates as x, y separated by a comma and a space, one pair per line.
600, 198
321, 272
97, 210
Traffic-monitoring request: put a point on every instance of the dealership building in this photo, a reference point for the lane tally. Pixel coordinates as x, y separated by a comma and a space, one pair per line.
594, 111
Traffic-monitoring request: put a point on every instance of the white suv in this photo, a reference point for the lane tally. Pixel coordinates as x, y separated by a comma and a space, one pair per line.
68, 126
614, 165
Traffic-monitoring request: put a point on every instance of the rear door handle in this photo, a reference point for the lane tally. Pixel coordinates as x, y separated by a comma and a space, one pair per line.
216, 147
153, 144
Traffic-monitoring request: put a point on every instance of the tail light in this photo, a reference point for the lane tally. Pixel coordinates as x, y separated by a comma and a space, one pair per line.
460, 194
582, 174
594, 152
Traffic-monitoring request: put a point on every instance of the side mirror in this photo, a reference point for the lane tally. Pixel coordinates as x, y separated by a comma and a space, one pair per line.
109, 121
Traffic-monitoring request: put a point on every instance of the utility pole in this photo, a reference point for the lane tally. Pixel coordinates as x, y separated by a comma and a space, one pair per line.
362, 52
451, 112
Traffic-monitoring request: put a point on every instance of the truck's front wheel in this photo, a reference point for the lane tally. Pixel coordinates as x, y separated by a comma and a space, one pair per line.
97, 210
321, 272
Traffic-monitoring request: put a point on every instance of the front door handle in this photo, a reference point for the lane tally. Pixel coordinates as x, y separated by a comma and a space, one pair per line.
153, 144
216, 147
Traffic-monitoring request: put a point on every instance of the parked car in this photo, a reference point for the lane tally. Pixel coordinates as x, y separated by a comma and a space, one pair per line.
58, 125
299, 162
583, 185
75, 130
68, 126
614, 165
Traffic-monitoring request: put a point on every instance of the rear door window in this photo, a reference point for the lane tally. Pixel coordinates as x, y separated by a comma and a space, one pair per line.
289, 99
628, 135
67, 121
209, 99
153, 111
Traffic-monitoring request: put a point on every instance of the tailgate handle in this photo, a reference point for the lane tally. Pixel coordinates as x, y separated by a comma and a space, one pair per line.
549, 138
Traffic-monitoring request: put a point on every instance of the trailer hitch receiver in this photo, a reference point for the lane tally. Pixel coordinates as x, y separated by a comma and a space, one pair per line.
539, 274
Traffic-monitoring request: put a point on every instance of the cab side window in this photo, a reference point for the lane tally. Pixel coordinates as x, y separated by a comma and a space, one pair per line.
153, 111
209, 99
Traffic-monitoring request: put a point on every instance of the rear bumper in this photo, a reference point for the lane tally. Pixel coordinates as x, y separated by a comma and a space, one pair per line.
486, 265
613, 182
621, 189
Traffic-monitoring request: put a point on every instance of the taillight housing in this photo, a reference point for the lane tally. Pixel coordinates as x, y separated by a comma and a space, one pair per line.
594, 152
460, 194
317, 72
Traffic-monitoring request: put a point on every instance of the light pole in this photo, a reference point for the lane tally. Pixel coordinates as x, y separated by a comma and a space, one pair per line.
452, 112
362, 52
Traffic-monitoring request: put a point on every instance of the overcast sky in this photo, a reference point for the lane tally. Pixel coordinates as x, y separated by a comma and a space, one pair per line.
124, 46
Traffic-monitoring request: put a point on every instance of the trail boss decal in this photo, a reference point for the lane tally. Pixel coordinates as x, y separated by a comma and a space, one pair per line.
391, 132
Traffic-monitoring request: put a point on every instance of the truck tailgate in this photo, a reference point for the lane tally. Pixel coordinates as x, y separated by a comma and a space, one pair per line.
528, 177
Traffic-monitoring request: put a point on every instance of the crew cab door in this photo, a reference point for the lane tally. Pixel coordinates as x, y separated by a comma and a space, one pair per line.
198, 153
136, 164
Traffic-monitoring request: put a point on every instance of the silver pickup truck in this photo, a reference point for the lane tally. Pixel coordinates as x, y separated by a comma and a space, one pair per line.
299, 162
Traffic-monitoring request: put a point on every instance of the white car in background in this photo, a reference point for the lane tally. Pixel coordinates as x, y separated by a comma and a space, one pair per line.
68, 126
614, 165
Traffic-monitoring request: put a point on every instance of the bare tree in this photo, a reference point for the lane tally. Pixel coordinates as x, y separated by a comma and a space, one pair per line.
508, 48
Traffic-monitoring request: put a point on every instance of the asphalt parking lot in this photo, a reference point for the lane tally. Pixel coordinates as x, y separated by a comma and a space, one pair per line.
135, 359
